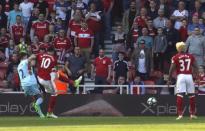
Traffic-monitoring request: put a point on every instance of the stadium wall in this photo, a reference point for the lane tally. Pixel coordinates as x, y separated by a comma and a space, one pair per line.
97, 105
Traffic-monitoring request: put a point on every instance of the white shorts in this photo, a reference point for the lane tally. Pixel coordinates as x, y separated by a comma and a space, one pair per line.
185, 84
49, 87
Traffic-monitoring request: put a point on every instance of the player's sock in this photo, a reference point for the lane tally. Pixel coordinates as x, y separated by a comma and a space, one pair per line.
37, 106
179, 104
39, 101
192, 103
51, 104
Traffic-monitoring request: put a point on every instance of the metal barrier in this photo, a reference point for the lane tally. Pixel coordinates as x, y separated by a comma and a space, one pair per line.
104, 86
129, 88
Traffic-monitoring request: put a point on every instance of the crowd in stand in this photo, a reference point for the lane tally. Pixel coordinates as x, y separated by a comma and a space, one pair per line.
143, 43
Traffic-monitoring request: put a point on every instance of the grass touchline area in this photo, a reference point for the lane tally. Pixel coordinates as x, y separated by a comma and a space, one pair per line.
101, 124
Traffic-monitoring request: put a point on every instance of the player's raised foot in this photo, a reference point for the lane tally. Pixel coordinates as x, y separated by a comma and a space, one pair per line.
179, 117
51, 115
77, 82
193, 117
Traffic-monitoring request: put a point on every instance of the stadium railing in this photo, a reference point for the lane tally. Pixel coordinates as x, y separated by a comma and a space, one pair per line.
129, 88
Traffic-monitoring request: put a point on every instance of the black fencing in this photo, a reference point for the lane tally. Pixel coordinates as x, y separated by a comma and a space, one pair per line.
98, 105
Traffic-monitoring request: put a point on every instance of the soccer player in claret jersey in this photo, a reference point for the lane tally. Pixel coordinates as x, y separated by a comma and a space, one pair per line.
28, 81
184, 64
46, 64
46, 73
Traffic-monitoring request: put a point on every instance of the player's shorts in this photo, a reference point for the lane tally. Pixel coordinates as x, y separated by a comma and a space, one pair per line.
49, 88
31, 90
185, 84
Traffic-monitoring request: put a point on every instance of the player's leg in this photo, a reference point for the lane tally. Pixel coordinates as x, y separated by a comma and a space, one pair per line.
37, 105
51, 106
192, 104
78, 81
192, 99
52, 99
180, 90
34, 91
180, 97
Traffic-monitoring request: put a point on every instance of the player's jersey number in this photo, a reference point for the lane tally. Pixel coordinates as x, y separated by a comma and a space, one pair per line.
45, 63
185, 64
21, 73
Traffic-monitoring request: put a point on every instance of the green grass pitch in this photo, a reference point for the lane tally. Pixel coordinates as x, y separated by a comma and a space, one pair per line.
101, 124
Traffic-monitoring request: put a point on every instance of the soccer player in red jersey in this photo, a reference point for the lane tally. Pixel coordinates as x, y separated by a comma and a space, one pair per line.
39, 28
46, 75
17, 30
184, 63
46, 65
63, 46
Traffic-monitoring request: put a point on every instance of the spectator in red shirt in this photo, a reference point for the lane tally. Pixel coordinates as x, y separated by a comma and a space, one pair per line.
63, 46
45, 44
39, 28
102, 68
141, 20
74, 24
17, 30
84, 38
183, 31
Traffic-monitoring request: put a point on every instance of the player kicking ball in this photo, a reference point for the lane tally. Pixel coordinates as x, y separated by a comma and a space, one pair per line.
46, 74
28, 81
184, 63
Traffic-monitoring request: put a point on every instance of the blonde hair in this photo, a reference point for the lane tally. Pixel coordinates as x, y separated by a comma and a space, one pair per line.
180, 46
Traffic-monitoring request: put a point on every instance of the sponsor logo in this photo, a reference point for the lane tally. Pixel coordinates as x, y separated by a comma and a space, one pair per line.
15, 108
158, 110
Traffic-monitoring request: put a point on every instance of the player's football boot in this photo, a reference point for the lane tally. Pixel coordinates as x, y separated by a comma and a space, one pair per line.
42, 116
51, 115
77, 82
193, 117
37, 109
179, 117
